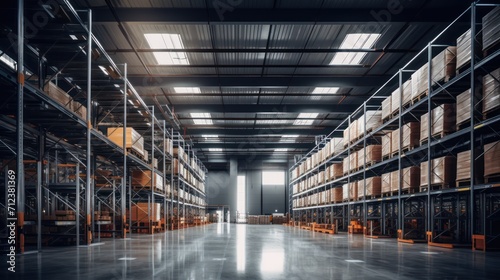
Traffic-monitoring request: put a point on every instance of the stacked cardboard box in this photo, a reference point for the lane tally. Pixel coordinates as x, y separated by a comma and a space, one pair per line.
491, 29
133, 139
491, 91
411, 178
492, 156
444, 65
443, 172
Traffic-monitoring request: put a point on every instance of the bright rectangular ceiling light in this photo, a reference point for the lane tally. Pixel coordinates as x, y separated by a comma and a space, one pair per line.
210, 136
325, 90
354, 41
305, 119
215, 149
103, 69
73, 37
281, 150
167, 41
187, 89
290, 136
201, 118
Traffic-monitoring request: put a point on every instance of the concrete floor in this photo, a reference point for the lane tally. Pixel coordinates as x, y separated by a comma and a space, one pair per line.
223, 251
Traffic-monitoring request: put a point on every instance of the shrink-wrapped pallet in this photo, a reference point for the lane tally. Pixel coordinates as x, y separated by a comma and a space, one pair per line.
387, 144
345, 192
411, 135
327, 174
396, 97
354, 160
321, 177
373, 121
347, 134
491, 159
386, 182
463, 108
142, 212
373, 155
133, 139
373, 186
353, 190
419, 82
387, 107
491, 91
443, 121
443, 172
444, 65
395, 137
336, 170
463, 167
336, 194
411, 178
395, 181
491, 29
353, 130
336, 145
464, 50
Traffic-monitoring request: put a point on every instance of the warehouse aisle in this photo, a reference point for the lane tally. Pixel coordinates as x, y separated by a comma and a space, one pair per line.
223, 251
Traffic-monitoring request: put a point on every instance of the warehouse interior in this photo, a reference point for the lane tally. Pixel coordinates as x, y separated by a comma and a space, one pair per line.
249, 139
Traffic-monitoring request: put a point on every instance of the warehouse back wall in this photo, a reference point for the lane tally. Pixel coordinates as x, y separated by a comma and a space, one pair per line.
260, 200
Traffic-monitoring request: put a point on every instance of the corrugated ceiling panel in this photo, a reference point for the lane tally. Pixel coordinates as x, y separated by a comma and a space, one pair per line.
332, 71
241, 36
168, 70
195, 100
294, 4
367, 4
309, 99
233, 122
240, 100
240, 58
230, 90
274, 90
240, 71
279, 71
289, 36
277, 116
282, 58
270, 100
252, 4
159, 3
110, 36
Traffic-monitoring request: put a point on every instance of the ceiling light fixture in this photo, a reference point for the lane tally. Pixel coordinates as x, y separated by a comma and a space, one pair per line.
305, 119
167, 41
354, 41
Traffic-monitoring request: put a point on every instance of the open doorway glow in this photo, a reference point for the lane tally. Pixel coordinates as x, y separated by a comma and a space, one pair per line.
241, 206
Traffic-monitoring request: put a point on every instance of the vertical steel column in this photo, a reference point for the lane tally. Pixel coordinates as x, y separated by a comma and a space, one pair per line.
164, 177
113, 204
39, 203
153, 173
400, 219
348, 172
472, 109
365, 210
77, 204
429, 130
20, 128
129, 204
123, 189
172, 180
88, 190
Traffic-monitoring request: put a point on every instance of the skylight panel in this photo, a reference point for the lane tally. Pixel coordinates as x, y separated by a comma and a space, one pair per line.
325, 90
281, 150
202, 118
215, 149
354, 41
305, 119
167, 41
187, 89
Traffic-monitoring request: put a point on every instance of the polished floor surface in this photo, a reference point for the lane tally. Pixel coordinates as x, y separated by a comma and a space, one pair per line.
229, 251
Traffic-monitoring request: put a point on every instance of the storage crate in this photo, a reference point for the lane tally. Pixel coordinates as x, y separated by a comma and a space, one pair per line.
373, 155
411, 179
395, 181
59, 95
464, 50
491, 92
419, 86
386, 182
347, 133
443, 172
353, 131
463, 168
142, 212
443, 122
133, 139
395, 137
79, 110
353, 191
386, 108
373, 186
411, 136
406, 92
491, 29
336, 171
336, 195
387, 145
143, 179
463, 108
373, 121
444, 65
491, 156
396, 97
336, 145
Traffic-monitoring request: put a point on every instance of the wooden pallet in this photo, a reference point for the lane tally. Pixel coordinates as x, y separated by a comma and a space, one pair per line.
409, 190
435, 136
494, 178
391, 193
463, 182
434, 187
491, 113
139, 187
408, 148
463, 125
386, 157
493, 48
462, 68
371, 162
420, 96
135, 153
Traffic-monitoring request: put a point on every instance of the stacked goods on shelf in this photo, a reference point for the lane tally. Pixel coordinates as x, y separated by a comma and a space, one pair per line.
336, 170
387, 108
395, 142
143, 179
336, 194
350, 191
443, 121
279, 220
411, 136
133, 141
444, 65
373, 187
373, 120
443, 172
102, 216
395, 181
59, 95
419, 86
463, 109
491, 29
373, 155
464, 50
350, 163
463, 168
336, 145
353, 131
396, 97
168, 146
387, 145
65, 215
491, 92
386, 183
491, 159
140, 212
411, 179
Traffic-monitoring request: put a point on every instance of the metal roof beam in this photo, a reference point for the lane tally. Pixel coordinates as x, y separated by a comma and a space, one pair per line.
266, 108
